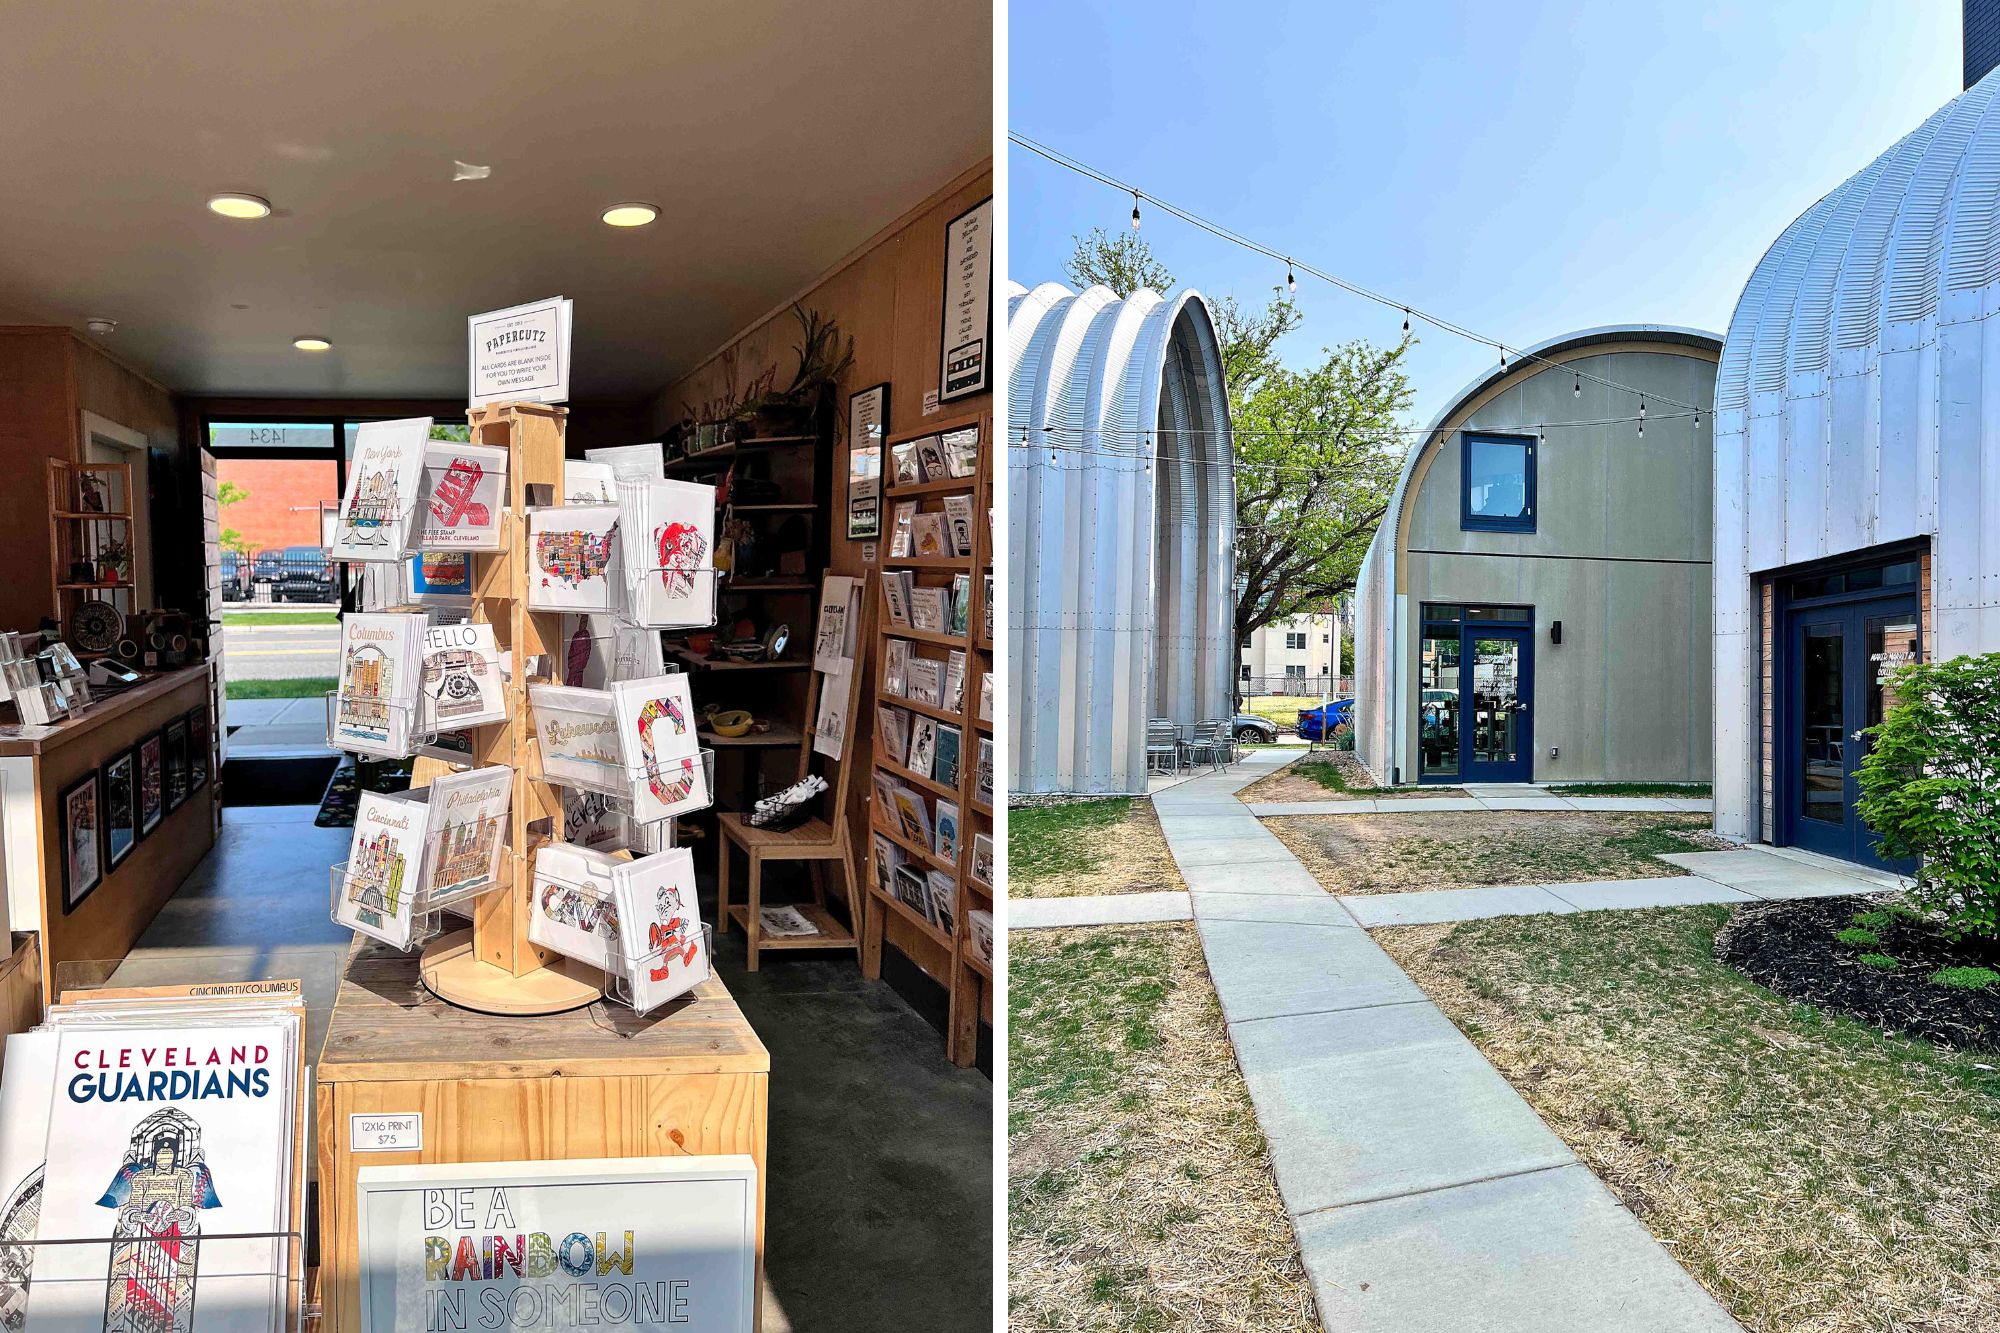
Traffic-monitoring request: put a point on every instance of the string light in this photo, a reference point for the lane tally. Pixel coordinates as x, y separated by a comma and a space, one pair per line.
1578, 387
1503, 361
1291, 283
1214, 229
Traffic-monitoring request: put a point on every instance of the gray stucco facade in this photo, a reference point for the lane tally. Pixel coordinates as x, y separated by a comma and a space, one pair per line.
1620, 554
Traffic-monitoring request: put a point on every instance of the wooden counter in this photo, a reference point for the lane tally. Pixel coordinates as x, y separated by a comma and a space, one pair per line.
689, 1078
37, 763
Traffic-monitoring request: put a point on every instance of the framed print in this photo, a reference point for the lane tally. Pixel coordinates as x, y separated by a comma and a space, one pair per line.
175, 763
81, 808
152, 804
964, 366
121, 807
867, 425
198, 756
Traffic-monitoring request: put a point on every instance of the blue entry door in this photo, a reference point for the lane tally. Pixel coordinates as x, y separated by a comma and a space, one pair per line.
1496, 704
1838, 657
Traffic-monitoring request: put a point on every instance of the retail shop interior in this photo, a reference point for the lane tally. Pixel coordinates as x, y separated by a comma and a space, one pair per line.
497, 698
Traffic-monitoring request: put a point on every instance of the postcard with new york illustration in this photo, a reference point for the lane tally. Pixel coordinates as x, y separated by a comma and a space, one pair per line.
385, 481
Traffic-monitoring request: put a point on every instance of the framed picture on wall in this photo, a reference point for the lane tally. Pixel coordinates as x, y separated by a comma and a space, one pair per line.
80, 807
965, 367
152, 803
121, 807
867, 425
176, 762
197, 724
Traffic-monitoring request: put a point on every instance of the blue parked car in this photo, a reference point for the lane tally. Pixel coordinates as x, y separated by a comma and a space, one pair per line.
1317, 723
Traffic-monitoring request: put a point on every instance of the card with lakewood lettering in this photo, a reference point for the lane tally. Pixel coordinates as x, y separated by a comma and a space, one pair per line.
176, 1155
385, 864
464, 496
385, 481
578, 735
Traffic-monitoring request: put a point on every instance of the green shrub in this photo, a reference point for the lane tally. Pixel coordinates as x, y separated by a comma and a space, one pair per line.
1343, 737
1931, 787
1857, 937
1966, 978
1881, 962
1872, 920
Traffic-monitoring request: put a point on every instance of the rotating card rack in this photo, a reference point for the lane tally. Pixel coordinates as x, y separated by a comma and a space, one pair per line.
493, 967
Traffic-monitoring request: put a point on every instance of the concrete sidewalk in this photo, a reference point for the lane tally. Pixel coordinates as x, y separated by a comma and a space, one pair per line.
1425, 1193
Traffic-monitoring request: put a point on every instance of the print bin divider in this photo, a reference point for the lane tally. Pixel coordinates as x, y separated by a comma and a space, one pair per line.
415, 737
624, 976
493, 538
700, 572
540, 665
620, 786
286, 1274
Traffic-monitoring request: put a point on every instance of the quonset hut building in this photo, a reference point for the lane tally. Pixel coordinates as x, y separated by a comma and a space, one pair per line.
1122, 509
1857, 472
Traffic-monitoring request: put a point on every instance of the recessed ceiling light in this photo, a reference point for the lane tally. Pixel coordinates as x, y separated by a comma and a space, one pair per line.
630, 215
239, 205
312, 344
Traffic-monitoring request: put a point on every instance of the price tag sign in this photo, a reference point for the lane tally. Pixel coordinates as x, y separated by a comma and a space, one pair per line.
402, 1132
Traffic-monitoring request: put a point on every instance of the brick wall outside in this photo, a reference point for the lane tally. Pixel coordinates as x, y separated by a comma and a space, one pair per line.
282, 507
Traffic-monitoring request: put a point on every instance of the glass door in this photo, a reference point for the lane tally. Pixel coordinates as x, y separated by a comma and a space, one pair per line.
1841, 656
1496, 703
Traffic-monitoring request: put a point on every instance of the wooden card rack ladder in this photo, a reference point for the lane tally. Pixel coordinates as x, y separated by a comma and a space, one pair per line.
815, 842
494, 968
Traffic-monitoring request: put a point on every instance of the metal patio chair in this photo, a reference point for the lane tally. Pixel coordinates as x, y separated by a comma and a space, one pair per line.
1213, 744
1163, 746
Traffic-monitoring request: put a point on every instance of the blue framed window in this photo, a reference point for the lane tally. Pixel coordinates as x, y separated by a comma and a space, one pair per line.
1497, 483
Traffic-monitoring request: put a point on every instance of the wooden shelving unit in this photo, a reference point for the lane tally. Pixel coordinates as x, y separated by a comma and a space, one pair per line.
90, 514
967, 978
796, 465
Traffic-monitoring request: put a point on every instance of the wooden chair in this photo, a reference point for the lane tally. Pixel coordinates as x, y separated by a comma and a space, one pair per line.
816, 842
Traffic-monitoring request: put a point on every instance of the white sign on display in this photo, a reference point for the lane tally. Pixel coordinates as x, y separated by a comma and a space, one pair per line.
607, 1243
520, 354
386, 1133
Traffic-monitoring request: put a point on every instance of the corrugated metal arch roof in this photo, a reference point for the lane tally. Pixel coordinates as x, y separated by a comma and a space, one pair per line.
1865, 267
1120, 567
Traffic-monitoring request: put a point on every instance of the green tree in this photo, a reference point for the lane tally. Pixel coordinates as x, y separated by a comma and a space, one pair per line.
1123, 262
227, 494
1319, 452
1930, 786
459, 434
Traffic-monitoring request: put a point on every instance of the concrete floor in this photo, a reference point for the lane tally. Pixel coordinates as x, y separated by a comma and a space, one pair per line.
879, 1204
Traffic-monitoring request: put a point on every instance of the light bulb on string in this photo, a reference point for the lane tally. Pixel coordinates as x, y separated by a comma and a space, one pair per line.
1291, 283
1642, 407
1503, 361
1577, 388
1406, 321
1135, 210
1697, 418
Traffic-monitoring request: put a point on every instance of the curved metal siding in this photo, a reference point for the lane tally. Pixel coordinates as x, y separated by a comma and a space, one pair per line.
1886, 422
1120, 564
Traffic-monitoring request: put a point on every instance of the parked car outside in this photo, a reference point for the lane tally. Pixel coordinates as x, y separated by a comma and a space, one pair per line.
232, 577
268, 567
1317, 723
1249, 729
306, 576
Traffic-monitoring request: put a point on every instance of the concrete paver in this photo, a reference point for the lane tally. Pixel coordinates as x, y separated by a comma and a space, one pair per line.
1369, 1104
1097, 910
1664, 891
1428, 907
1263, 969
1550, 1251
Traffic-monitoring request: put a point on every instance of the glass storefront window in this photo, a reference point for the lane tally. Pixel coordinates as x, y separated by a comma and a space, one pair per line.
1499, 483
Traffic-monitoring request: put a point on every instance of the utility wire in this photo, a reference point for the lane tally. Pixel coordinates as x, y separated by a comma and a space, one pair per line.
1295, 265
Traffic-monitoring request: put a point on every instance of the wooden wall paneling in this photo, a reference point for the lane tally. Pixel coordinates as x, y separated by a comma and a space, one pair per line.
38, 422
111, 918
20, 990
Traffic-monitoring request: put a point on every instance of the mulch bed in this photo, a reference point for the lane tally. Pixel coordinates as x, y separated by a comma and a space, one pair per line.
1790, 948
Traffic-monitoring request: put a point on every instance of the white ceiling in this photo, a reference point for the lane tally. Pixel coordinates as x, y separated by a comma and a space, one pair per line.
776, 136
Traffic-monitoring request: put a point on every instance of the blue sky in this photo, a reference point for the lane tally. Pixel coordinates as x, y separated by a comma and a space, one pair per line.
1522, 169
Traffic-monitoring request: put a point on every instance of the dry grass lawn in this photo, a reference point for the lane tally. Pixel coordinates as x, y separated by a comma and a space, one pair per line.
1088, 847
1459, 849
1140, 1194
1814, 1174
1331, 776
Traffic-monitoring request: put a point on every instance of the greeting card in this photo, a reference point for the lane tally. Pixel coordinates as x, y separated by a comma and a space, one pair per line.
573, 909
665, 953
578, 734
385, 863
662, 753
463, 683
375, 706
465, 495
385, 479
468, 830
571, 551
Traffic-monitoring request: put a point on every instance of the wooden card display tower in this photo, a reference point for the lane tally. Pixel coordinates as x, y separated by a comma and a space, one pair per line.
954, 962
493, 967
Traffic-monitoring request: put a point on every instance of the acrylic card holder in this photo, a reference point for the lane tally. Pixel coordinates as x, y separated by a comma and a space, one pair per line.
385, 728
671, 781
665, 973
674, 596
574, 561
643, 984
